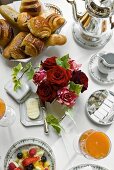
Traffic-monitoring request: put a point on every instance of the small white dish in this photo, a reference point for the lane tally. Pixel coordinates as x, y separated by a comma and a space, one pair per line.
26, 144
21, 94
96, 74
100, 107
25, 120
92, 166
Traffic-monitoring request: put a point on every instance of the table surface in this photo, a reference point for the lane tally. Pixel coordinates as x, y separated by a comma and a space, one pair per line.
17, 131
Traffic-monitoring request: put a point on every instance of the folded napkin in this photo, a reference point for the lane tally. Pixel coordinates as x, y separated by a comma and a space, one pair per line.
64, 150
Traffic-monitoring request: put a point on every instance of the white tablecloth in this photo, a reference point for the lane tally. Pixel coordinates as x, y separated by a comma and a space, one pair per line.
17, 131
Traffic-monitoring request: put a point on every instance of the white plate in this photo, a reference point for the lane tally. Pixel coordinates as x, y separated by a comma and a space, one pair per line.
25, 144
96, 74
100, 107
25, 120
93, 166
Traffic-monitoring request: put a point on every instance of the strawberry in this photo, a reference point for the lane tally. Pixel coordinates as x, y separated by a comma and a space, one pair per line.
11, 166
28, 161
18, 168
46, 169
32, 152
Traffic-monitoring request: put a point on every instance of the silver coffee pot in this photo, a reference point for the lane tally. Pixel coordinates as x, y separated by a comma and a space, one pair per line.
93, 29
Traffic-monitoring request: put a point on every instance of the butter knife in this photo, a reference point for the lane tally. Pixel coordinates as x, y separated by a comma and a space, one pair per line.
43, 108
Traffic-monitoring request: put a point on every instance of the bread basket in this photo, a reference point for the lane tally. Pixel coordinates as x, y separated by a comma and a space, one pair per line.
46, 7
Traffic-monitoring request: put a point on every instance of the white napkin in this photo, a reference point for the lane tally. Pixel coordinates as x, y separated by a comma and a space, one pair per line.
64, 148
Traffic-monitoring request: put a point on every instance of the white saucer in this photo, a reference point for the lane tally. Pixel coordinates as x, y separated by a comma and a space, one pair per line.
96, 74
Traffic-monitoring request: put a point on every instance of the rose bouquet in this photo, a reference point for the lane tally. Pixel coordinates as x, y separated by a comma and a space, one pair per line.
56, 78
60, 79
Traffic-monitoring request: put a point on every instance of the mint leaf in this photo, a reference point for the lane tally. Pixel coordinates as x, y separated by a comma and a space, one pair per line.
75, 87
54, 122
63, 61
15, 71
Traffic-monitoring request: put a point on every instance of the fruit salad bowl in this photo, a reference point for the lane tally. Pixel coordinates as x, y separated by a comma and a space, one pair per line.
29, 154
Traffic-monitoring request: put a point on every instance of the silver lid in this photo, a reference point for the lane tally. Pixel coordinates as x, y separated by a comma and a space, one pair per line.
97, 9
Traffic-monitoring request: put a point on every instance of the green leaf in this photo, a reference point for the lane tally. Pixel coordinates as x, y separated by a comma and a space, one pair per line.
28, 69
63, 61
17, 69
54, 122
17, 85
16, 81
30, 73
75, 87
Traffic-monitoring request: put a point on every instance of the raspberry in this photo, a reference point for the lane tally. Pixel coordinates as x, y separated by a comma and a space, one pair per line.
11, 166
32, 152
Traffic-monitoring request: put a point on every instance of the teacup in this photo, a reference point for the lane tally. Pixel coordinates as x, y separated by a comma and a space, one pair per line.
106, 62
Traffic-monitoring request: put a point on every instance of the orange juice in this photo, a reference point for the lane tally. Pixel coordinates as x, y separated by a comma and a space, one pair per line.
2, 108
95, 144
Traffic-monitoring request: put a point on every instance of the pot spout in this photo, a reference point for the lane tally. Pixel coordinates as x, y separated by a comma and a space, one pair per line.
74, 9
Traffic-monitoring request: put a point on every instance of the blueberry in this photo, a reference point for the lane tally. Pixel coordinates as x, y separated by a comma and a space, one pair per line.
30, 167
20, 155
43, 159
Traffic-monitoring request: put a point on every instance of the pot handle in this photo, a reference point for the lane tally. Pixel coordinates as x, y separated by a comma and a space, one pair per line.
112, 23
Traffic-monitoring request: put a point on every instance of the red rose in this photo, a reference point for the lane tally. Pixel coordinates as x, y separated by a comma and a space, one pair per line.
46, 92
49, 63
73, 65
78, 77
66, 97
39, 76
58, 76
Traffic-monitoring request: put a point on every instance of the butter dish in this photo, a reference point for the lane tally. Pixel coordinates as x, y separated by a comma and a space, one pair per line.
27, 120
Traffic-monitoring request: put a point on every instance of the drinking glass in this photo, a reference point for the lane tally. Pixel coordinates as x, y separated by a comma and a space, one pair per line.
7, 114
93, 144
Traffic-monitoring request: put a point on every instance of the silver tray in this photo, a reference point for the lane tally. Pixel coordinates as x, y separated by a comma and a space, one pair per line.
100, 107
93, 166
25, 120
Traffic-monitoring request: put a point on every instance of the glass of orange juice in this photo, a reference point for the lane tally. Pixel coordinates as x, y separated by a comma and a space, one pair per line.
94, 144
7, 114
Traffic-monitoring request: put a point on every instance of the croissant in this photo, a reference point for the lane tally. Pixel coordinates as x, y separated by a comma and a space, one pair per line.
56, 39
32, 46
9, 14
22, 20
39, 27
6, 33
13, 50
33, 7
55, 21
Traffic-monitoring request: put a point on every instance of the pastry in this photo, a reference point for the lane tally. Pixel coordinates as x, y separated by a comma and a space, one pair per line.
39, 27
55, 21
9, 14
33, 7
6, 33
32, 46
13, 50
22, 20
56, 39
